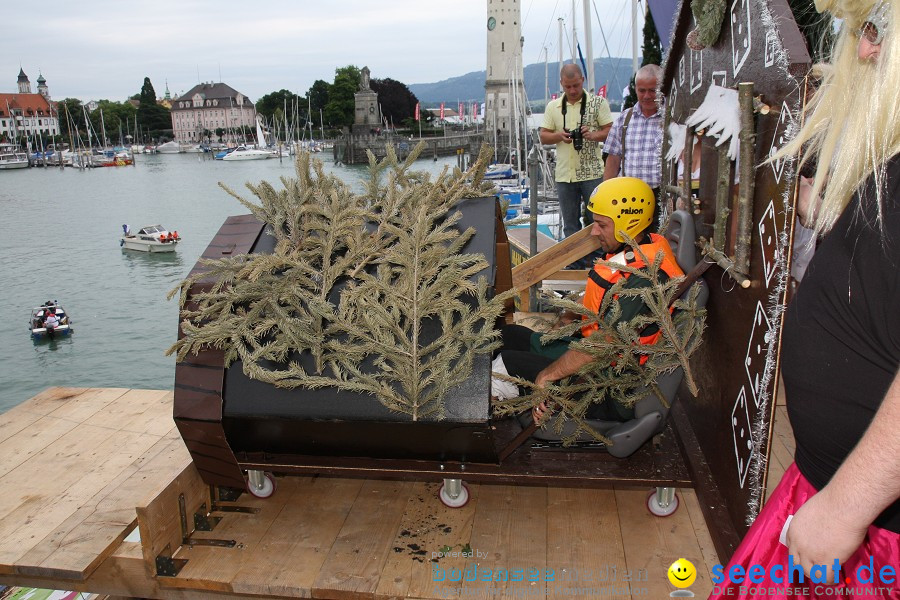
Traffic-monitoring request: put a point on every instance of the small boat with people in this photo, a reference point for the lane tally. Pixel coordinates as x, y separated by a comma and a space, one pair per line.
152, 238
49, 321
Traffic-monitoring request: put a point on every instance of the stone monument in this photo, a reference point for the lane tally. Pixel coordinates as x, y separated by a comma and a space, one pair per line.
367, 116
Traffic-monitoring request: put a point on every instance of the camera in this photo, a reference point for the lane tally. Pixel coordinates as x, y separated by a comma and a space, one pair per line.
577, 139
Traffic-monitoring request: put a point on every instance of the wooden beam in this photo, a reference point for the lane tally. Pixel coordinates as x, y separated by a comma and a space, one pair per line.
537, 268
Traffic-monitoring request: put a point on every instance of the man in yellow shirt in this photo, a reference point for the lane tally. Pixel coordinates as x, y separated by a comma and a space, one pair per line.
577, 123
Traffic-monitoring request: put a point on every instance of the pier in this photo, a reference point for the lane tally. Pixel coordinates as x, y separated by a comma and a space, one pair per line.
350, 149
101, 496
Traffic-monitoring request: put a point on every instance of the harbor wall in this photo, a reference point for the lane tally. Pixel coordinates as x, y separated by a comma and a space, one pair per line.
351, 149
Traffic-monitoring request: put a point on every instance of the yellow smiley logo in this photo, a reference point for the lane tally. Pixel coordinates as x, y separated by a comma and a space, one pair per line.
682, 573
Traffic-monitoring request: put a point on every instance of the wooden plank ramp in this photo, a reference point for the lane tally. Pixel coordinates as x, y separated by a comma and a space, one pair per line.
100, 462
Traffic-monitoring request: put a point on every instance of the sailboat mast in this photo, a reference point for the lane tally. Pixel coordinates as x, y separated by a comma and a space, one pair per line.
546, 78
560, 44
103, 129
574, 36
588, 46
634, 37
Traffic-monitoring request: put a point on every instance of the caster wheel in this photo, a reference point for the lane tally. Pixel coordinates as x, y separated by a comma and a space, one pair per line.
265, 488
657, 509
459, 501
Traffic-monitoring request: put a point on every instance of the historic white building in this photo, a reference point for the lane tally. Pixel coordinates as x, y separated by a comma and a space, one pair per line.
504, 65
211, 106
26, 113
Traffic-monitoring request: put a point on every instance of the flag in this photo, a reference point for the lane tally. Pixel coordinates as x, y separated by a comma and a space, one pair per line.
442, 111
417, 111
602, 91
474, 111
461, 111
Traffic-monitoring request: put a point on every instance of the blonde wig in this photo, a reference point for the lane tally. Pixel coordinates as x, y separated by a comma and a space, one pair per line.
852, 122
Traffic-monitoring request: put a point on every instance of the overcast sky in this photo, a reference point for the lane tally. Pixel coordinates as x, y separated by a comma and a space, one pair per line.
103, 50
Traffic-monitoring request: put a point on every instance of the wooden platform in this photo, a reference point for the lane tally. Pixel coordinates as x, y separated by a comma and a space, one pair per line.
81, 468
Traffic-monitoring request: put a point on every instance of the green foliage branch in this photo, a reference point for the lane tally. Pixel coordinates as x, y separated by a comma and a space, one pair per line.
352, 280
622, 369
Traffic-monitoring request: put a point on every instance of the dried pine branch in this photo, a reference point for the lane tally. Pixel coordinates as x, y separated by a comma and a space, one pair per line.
353, 282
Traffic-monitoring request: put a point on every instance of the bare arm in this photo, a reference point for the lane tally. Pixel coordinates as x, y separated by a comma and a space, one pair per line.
599, 135
613, 162
554, 137
865, 484
567, 364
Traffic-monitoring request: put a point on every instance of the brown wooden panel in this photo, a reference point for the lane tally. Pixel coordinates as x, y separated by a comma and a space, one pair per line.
212, 455
195, 404
651, 465
199, 379
735, 367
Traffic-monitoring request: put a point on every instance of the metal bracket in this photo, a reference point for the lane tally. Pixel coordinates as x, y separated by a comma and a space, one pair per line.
203, 521
225, 494
186, 538
166, 566
234, 509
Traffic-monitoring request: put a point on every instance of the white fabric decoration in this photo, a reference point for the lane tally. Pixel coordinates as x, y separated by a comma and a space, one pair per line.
720, 116
677, 132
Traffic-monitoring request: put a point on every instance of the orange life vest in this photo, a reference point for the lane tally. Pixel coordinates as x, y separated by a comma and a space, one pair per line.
602, 277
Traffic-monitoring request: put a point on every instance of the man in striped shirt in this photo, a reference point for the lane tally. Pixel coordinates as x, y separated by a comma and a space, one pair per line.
634, 143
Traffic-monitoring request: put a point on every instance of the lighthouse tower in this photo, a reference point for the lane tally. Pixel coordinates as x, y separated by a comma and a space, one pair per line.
504, 71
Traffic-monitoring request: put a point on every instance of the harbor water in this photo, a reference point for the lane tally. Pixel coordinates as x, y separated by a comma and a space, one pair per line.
60, 241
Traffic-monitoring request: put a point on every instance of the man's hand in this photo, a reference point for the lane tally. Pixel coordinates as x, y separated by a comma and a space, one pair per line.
564, 318
819, 533
541, 381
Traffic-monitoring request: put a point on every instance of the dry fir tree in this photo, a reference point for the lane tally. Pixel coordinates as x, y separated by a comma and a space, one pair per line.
352, 280
622, 369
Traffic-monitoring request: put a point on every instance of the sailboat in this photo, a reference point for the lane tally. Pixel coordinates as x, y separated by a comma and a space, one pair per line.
245, 153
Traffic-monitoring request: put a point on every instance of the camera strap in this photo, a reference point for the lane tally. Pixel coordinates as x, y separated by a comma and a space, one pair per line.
565, 102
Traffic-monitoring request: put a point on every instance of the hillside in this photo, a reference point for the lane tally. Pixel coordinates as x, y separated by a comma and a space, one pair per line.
616, 72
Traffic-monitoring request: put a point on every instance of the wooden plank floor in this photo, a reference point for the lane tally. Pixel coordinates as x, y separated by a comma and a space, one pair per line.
91, 456
74, 463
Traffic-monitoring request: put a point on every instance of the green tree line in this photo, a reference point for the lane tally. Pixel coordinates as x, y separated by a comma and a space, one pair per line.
145, 122
332, 105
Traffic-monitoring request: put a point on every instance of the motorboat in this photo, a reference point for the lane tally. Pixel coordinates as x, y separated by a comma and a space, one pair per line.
245, 153
48, 321
152, 238
113, 158
500, 171
12, 158
169, 148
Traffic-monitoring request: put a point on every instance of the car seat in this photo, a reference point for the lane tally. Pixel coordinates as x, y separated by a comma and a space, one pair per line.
650, 411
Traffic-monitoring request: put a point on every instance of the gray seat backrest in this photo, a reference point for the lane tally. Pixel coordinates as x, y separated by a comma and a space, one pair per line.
682, 236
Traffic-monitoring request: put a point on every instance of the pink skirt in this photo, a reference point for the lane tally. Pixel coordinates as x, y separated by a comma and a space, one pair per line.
760, 546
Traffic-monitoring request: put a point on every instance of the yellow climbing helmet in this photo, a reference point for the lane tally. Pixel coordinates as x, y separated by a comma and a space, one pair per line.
628, 201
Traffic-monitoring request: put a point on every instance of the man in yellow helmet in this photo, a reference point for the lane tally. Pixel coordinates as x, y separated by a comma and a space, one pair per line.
622, 205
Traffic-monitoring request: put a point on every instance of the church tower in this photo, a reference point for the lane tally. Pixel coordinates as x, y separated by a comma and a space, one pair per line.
24, 84
504, 65
42, 88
